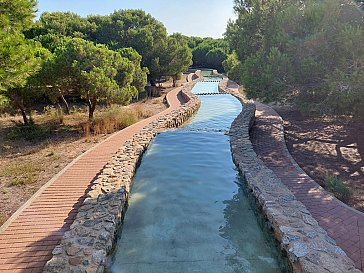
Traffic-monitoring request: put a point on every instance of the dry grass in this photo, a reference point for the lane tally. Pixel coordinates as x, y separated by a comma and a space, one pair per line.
21, 173
109, 121
3, 219
142, 112
26, 165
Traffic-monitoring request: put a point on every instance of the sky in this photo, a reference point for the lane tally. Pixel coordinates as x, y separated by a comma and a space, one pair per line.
203, 18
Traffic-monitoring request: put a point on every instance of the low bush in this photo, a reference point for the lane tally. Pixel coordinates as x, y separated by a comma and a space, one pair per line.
338, 188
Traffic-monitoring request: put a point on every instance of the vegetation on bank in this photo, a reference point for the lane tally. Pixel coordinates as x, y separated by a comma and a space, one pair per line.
209, 52
99, 59
307, 53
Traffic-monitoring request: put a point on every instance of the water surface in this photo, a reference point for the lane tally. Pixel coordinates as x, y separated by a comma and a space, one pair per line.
187, 212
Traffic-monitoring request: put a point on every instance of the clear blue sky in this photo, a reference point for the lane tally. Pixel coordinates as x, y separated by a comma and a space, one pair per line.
204, 18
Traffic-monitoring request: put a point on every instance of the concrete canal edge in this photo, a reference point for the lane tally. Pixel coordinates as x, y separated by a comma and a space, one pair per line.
306, 244
86, 246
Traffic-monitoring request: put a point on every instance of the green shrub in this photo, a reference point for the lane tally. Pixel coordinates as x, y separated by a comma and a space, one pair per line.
338, 188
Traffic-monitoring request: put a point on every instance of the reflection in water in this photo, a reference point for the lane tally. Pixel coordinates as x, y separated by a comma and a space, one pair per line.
186, 211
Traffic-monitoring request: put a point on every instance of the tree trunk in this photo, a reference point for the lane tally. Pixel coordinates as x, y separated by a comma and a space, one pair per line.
91, 109
18, 102
24, 115
66, 105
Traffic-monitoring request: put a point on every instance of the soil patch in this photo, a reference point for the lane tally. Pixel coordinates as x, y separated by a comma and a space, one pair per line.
328, 147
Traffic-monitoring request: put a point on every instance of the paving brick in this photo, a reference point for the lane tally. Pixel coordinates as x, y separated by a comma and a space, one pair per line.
26, 244
343, 224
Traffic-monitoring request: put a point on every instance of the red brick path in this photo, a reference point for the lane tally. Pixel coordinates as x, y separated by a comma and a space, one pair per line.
341, 222
26, 243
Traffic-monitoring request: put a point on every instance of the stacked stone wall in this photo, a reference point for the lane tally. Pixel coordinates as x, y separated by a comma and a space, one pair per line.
307, 245
91, 238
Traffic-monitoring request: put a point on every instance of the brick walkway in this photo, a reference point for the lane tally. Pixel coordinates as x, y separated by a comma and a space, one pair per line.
341, 222
30, 235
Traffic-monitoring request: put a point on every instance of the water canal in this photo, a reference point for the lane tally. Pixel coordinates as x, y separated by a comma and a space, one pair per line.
187, 211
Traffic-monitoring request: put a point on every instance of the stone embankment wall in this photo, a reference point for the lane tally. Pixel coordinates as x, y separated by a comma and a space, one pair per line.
85, 247
306, 244
194, 76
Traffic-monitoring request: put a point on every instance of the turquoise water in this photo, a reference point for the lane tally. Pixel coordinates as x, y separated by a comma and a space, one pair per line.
187, 212
205, 87
206, 72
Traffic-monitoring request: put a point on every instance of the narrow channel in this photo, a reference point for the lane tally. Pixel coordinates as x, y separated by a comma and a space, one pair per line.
187, 212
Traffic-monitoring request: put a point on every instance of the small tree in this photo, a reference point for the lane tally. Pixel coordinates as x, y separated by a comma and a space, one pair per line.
98, 74
24, 96
19, 58
175, 57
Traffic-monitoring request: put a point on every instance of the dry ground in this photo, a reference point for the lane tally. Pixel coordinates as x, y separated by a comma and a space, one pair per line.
326, 147
27, 165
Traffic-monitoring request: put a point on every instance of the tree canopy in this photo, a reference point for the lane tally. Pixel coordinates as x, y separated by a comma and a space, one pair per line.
209, 52
98, 58
306, 52
18, 58
97, 73
176, 57
121, 29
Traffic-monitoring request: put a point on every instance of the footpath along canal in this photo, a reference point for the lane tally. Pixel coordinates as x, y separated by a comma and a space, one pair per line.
188, 210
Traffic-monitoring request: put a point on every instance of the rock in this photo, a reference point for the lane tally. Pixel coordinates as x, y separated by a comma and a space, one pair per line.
73, 250
330, 240
56, 265
104, 236
308, 219
58, 250
87, 251
90, 223
77, 260
92, 269
85, 241
288, 238
299, 249
81, 231
77, 270
99, 245
98, 257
